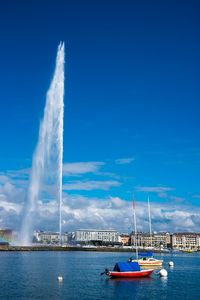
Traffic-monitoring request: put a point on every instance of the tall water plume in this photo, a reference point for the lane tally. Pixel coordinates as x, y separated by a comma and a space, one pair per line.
48, 156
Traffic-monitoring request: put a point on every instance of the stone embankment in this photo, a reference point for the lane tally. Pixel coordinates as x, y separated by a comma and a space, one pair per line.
65, 248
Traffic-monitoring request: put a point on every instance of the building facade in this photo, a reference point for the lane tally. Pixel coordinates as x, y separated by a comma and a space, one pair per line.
186, 240
88, 235
159, 240
46, 237
124, 239
156, 240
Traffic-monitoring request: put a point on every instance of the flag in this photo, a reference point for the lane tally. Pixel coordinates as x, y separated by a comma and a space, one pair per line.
133, 203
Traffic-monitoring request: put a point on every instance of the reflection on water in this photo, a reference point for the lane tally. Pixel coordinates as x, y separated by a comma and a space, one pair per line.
128, 288
60, 283
117, 281
164, 281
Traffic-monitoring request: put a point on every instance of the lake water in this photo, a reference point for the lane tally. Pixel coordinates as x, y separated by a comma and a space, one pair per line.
33, 275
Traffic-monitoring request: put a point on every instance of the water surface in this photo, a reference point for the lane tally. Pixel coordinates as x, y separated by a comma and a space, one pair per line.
33, 275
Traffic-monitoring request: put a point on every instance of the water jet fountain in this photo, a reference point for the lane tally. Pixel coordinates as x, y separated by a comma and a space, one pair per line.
48, 155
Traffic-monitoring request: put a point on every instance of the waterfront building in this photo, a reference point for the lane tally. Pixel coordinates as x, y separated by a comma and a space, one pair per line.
161, 239
46, 237
157, 240
124, 239
141, 239
97, 235
186, 240
198, 241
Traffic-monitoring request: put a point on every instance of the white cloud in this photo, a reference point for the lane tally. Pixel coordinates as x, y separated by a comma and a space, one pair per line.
11, 202
116, 213
123, 161
110, 212
79, 168
177, 199
91, 185
85, 212
153, 189
161, 191
10, 206
10, 192
15, 177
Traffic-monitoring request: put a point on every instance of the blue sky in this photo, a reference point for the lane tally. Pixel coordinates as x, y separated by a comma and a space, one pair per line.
131, 109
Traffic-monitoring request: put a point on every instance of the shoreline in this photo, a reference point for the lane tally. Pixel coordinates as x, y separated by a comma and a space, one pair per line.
67, 248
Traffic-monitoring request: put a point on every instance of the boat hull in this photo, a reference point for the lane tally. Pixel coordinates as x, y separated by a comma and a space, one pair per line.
129, 274
149, 263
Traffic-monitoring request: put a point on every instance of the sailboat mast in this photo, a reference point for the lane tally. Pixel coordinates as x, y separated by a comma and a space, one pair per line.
135, 227
150, 232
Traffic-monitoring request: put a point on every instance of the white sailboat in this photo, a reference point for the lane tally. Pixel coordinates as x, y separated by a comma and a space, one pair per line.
135, 227
150, 232
147, 259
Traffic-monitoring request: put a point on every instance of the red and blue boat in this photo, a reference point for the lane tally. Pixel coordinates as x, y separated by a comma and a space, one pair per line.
128, 270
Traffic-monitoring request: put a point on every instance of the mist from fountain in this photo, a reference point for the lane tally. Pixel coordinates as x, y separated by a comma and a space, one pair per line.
48, 156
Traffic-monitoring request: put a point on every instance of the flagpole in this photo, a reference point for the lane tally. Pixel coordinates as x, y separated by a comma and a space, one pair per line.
135, 226
150, 232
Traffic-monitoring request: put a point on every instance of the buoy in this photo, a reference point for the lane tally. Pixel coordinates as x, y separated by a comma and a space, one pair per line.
171, 263
163, 273
60, 278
